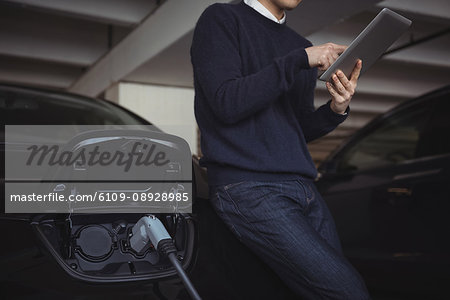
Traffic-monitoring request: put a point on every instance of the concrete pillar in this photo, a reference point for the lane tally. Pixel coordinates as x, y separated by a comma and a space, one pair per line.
169, 108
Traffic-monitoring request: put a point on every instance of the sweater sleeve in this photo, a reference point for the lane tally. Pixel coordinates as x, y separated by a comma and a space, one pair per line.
316, 123
215, 55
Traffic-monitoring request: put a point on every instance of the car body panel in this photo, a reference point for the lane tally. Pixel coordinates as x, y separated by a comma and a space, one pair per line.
392, 212
221, 267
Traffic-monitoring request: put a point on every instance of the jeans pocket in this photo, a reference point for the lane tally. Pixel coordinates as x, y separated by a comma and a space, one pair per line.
225, 212
306, 193
231, 185
245, 192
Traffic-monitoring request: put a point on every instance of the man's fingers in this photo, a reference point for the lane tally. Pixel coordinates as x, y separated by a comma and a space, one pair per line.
340, 48
331, 90
343, 79
334, 56
356, 71
338, 85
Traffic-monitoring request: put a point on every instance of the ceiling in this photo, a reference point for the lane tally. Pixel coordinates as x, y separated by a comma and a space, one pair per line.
85, 46
52, 42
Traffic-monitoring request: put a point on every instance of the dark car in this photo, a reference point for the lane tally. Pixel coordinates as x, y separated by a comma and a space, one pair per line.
87, 256
388, 188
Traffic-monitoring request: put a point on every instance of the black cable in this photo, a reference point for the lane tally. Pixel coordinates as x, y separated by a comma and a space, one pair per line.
150, 229
187, 283
167, 247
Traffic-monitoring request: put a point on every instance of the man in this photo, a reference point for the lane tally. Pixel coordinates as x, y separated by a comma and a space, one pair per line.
254, 83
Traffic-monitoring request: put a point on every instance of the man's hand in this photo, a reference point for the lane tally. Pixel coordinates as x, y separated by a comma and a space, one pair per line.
342, 89
323, 56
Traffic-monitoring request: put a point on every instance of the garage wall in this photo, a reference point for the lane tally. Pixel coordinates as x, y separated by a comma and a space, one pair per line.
169, 108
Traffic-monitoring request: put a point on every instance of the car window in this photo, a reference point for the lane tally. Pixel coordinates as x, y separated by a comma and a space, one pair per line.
395, 140
19, 108
434, 140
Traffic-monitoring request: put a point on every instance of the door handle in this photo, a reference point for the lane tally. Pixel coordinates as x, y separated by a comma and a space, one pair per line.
400, 196
400, 191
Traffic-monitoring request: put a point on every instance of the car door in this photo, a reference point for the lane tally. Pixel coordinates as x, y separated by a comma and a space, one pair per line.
388, 190
418, 196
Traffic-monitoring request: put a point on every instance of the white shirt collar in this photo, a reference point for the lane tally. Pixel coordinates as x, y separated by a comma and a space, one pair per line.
264, 11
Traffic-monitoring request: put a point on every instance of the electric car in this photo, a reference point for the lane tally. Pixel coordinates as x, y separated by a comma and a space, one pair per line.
386, 187
88, 255
388, 190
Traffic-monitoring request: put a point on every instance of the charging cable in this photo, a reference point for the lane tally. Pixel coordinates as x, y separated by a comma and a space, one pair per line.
150, 229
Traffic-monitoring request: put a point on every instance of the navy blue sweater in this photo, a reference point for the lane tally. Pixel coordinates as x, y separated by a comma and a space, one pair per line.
254, 94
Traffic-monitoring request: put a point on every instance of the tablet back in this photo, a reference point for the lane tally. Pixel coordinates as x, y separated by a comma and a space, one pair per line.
370, 44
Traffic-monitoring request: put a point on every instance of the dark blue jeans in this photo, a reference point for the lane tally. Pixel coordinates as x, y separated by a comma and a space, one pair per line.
288, 225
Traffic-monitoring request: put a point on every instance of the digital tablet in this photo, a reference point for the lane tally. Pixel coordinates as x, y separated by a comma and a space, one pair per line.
370, 44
